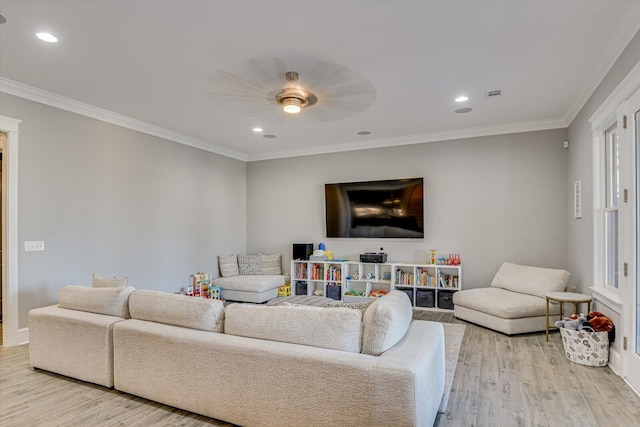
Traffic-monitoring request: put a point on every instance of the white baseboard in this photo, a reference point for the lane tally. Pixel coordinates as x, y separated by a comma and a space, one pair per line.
12, 336
636, 391
615, 362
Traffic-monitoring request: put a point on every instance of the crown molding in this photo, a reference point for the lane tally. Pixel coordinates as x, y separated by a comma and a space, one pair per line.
628, 28
627, 87
417, 139
38, 95
31, 93
9, 124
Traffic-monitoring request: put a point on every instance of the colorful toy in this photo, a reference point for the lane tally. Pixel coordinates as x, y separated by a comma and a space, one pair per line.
284, 290
377, 293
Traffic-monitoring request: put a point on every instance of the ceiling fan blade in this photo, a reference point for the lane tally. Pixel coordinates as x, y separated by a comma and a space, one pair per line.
225, 79
252, 87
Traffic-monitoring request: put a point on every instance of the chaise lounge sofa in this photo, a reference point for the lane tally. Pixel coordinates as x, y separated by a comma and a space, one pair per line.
250, 278
253, 365
515, 302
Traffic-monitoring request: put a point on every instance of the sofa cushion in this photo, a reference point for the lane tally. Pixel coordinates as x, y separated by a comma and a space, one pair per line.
228, 265
271, 264
179, 310
385, 322
256, 283
338, 329
108, 282
109, 301
503, 303
249, 264
530, 280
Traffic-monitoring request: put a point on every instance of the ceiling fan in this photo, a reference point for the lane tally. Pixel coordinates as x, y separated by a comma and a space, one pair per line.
267, 88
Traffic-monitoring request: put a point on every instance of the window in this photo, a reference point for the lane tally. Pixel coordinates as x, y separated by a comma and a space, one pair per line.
611, 183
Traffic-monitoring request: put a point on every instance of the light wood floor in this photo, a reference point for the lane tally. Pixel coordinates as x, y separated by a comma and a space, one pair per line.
499, 381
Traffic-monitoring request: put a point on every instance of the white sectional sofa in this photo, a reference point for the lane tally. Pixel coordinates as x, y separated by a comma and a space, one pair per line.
256, 365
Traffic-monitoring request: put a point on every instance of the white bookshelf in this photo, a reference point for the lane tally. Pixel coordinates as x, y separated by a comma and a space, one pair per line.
429, 286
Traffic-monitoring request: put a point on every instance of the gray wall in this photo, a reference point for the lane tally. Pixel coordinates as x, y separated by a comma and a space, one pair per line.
581, 168
112, 201
491, 199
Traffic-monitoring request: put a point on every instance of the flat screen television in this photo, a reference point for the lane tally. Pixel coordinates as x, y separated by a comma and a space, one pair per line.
375, 209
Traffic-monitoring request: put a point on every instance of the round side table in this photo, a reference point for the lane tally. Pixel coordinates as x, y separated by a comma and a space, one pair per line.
562, 297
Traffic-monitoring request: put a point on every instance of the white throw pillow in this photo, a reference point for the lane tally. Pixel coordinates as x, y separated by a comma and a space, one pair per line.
385, 322
249, 264
108, 282
109, 301
271, 264
337, 329
179, 310
228, 266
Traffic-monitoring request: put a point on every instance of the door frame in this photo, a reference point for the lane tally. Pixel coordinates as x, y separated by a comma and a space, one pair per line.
631, 360
11, 333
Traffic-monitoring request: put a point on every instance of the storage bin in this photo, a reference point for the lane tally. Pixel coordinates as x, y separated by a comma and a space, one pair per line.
586, 348
425, 298
334, 292
409, 292
301, 288
445, 299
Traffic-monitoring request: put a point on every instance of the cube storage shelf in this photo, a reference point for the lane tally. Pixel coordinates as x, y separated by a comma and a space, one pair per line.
427, 285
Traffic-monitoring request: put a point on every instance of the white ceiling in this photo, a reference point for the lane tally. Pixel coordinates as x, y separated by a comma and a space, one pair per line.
149, 65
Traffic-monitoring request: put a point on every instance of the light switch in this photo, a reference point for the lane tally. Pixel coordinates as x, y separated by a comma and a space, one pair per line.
35, 245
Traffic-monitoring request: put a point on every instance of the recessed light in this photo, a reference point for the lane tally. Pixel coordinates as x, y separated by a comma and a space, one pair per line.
257, 130
269, 136
364, 132
2, 19
464, 110
462, 98
46, 37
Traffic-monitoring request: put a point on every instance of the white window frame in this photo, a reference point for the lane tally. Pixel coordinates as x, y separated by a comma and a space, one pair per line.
610, 204
610, 112
600, 206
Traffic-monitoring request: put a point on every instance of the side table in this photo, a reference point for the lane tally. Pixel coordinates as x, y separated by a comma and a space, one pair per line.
563, 297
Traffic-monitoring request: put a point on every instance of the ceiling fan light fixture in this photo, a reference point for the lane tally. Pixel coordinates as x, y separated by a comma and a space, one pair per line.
294, 99
291, 105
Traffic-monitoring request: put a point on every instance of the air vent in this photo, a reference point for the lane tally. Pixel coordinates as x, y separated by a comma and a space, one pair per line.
496, 93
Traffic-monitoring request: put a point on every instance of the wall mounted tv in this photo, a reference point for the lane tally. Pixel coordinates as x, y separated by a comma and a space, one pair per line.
375, 209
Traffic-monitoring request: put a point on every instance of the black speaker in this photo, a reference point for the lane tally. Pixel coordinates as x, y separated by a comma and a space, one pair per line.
302, 250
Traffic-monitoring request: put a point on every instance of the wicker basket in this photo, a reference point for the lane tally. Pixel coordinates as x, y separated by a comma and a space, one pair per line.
586, 348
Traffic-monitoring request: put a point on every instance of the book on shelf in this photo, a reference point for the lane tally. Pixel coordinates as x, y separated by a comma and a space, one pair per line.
316, 272
449, 281
333, 274
300, 271
404, 278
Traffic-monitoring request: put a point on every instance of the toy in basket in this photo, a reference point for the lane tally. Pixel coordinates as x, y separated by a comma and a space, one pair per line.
586, 339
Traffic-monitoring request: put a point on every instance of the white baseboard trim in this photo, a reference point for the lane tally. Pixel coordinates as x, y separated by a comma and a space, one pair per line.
615, 362
635, 390
23, 336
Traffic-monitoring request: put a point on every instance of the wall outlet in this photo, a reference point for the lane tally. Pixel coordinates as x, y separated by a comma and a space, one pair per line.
35, 245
